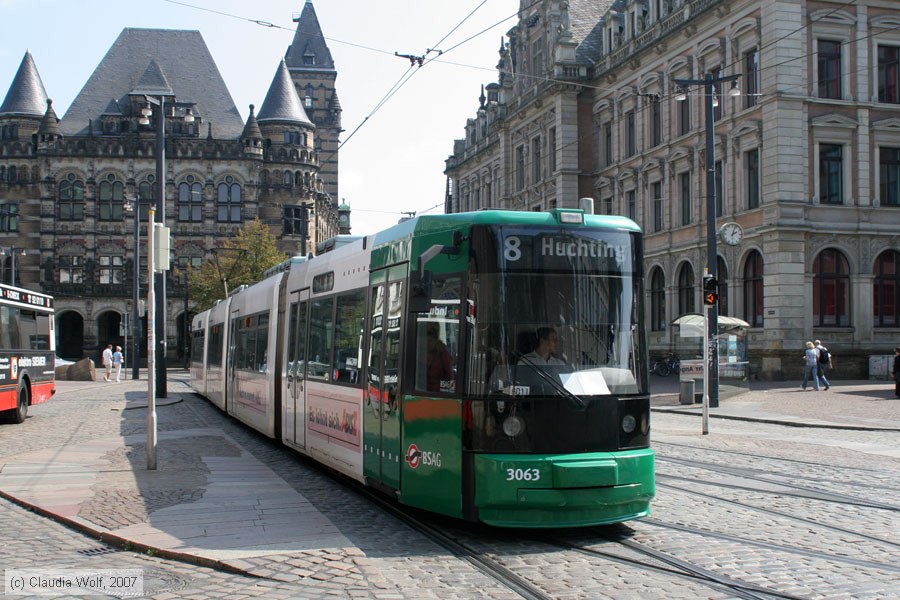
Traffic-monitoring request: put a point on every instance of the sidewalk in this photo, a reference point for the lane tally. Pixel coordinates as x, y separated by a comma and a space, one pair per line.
211, 502
855, 404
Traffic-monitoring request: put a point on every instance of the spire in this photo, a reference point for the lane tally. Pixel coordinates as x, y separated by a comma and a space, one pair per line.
308, 50
251, 130
50, 123
334, 103
282, 102
26, 95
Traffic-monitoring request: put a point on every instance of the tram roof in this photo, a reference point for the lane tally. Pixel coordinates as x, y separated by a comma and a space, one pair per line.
433, 223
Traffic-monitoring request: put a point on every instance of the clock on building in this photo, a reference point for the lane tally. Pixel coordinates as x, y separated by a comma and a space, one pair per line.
731, 233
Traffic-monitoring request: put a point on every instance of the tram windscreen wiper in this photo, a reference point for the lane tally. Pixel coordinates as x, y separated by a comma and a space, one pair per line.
554, 383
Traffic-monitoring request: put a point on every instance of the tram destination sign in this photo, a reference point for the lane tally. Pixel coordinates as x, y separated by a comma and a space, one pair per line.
565, 252
26, 298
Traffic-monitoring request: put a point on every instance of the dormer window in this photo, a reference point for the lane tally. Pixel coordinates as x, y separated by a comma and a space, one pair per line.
309, 60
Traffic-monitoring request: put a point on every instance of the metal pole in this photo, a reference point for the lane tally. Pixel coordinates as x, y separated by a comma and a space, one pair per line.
160, 348
706, 376
151, 343
12, 252
712, 335
136, 309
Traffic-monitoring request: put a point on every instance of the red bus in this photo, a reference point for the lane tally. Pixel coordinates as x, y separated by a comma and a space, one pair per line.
27, 351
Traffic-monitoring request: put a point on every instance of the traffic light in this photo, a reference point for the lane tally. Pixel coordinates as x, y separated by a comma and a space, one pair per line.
710, 291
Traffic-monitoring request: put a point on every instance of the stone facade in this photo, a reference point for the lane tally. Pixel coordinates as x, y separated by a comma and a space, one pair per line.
65, 184
806, 159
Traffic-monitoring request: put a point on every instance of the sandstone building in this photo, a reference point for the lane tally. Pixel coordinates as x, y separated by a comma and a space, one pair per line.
66, 184
806, 158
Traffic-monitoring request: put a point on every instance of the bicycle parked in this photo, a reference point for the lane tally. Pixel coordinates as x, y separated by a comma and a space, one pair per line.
666, 366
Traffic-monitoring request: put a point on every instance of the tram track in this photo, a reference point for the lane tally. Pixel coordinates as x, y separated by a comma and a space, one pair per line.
780, 486
756, 457
862, 563
666, 563
777, 513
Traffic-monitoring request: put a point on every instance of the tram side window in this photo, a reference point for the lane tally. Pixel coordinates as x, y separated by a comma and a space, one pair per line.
348, 335
437, 339
321, 338
262, 343
251, 341
9, 330
197, 348
215, 346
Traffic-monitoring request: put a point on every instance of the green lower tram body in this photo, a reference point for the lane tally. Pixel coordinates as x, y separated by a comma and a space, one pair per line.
564, 490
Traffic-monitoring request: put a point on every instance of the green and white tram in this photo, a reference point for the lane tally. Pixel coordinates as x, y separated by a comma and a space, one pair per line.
412, 361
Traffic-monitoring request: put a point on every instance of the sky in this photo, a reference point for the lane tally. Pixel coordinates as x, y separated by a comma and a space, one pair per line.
394, 162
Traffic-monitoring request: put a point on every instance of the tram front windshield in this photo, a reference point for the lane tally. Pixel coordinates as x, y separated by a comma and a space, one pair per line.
555, 313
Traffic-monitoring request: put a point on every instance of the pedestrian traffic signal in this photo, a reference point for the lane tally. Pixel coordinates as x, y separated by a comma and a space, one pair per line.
710, 291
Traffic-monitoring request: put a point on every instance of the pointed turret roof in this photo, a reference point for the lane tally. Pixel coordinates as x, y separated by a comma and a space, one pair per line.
50, 122
251, 130
334, 103
309, 51
156, 61
26, 95
282, 102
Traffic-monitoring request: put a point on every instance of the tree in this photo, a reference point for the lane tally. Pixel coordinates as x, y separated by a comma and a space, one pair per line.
235, 261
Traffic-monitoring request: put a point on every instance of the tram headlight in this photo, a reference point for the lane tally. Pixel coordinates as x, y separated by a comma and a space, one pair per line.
628, 423
513, 426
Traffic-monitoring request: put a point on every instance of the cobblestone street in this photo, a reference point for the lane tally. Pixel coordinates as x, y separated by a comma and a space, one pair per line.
799, 511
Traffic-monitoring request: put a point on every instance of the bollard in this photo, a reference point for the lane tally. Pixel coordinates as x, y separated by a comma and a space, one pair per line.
686, 392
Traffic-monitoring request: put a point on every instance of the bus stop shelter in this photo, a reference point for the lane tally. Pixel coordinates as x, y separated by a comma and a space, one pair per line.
734, 369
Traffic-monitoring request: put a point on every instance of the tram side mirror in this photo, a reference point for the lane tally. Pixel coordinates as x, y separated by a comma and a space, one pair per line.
420, 292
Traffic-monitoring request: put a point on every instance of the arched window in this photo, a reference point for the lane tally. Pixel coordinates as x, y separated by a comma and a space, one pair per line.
657, 300
190, 200
287, 136
686, 289
228, 203
287, 178
831, 289
11, 174
71, 199
886, 293
112, 196
753, 289
722, 278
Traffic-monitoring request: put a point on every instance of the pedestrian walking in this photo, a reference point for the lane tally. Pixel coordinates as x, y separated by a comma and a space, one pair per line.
811, 366
896, 371
107, 361
118, 359
824, 358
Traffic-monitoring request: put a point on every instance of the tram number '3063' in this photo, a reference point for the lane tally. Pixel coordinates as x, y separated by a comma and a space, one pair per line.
523, 474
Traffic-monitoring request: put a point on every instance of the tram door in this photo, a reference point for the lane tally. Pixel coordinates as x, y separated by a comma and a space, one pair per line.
381, 421
294, 376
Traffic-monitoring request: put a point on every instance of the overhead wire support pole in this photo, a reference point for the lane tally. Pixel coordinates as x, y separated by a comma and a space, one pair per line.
712, 321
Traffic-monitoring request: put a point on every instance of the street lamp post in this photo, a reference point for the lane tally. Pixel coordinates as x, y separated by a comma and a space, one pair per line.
135, 205
160, 281
709, 87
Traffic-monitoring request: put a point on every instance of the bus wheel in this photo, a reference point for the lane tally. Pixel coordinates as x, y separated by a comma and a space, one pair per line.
18, 414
